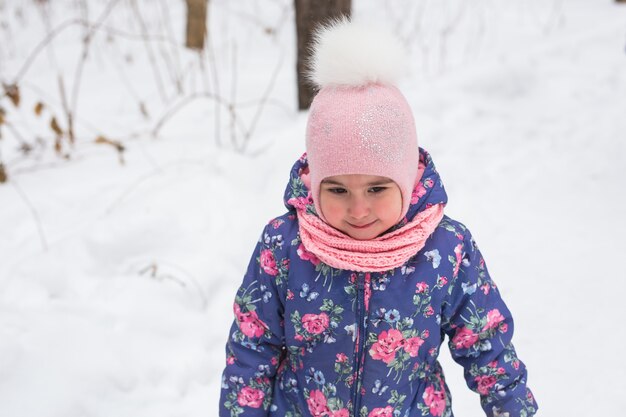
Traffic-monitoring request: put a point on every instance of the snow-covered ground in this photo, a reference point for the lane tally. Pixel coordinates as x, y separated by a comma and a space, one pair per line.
116, 281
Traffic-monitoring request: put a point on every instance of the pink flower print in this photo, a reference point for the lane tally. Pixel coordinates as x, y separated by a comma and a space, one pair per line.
503, 327
428, 182
341, 413
381, 412
421, 287
276, 223
387, 345
429, 311
305, 176
494, 318
485, 287
418, 192
268, 263
441, 281
290, 295
315, 323
249, 322
230, 360
435, 400
317, 404
501, 371
341, 358
412, 345
300, 203
515, 364
464, 338
484, 383
250, 397
252, 326
305, 255
458, 251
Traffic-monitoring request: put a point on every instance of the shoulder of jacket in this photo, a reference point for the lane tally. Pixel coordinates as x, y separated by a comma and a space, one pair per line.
284, 224
452, 229
280, 234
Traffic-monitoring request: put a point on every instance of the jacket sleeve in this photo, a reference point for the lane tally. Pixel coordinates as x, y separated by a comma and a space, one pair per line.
480, 329
255, 342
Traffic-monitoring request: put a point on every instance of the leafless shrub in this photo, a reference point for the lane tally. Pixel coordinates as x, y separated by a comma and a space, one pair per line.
179, 77
450, 33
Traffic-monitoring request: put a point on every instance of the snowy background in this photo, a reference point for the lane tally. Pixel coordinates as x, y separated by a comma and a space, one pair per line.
118, 272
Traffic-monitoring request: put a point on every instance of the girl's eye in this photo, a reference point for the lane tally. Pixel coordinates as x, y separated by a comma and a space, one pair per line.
337, 190
377, 190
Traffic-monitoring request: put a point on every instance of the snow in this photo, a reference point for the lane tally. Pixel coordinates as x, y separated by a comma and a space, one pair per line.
116, 281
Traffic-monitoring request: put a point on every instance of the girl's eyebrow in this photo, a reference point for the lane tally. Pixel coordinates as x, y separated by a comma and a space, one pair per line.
369, 184
380, 182
331, 182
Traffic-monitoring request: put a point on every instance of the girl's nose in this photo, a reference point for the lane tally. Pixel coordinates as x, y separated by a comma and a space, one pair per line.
359, 208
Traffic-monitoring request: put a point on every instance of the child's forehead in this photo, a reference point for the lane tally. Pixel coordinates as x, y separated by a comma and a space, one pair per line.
356, 180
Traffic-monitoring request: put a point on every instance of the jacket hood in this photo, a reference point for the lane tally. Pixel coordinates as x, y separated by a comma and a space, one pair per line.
428, 191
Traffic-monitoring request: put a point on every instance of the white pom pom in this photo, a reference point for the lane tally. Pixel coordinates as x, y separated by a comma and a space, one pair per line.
353, 54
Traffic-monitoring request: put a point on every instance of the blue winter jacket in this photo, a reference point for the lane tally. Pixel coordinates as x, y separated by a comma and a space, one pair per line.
311, 340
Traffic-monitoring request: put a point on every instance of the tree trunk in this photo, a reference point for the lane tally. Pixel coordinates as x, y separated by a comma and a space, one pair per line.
196, 23
310, 14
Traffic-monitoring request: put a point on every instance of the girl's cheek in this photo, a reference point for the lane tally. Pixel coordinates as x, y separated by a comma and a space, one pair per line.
332, 210
393, 203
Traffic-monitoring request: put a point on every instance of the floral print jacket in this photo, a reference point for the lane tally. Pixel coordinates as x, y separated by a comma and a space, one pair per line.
310, 340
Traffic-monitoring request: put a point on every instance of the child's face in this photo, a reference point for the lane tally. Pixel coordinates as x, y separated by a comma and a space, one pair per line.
361, 206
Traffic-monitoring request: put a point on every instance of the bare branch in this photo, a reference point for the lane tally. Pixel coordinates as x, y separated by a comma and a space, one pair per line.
33, 212
73, 109
268, 90
184, 102
49, 38
216, 84
233, 98
155, 67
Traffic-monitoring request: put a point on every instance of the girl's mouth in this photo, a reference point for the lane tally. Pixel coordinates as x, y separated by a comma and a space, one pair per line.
363, 226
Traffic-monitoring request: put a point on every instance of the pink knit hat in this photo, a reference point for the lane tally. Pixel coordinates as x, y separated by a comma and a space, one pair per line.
359, 122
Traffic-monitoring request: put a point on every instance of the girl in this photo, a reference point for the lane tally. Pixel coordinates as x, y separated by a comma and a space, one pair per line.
349, 295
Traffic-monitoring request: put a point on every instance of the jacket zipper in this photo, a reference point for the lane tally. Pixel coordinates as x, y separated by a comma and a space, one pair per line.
360, 314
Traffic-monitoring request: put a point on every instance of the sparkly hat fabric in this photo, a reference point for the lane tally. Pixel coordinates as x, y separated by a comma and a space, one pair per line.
359, 122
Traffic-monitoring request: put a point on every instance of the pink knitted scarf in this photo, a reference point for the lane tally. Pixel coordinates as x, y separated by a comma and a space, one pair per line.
383, 253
